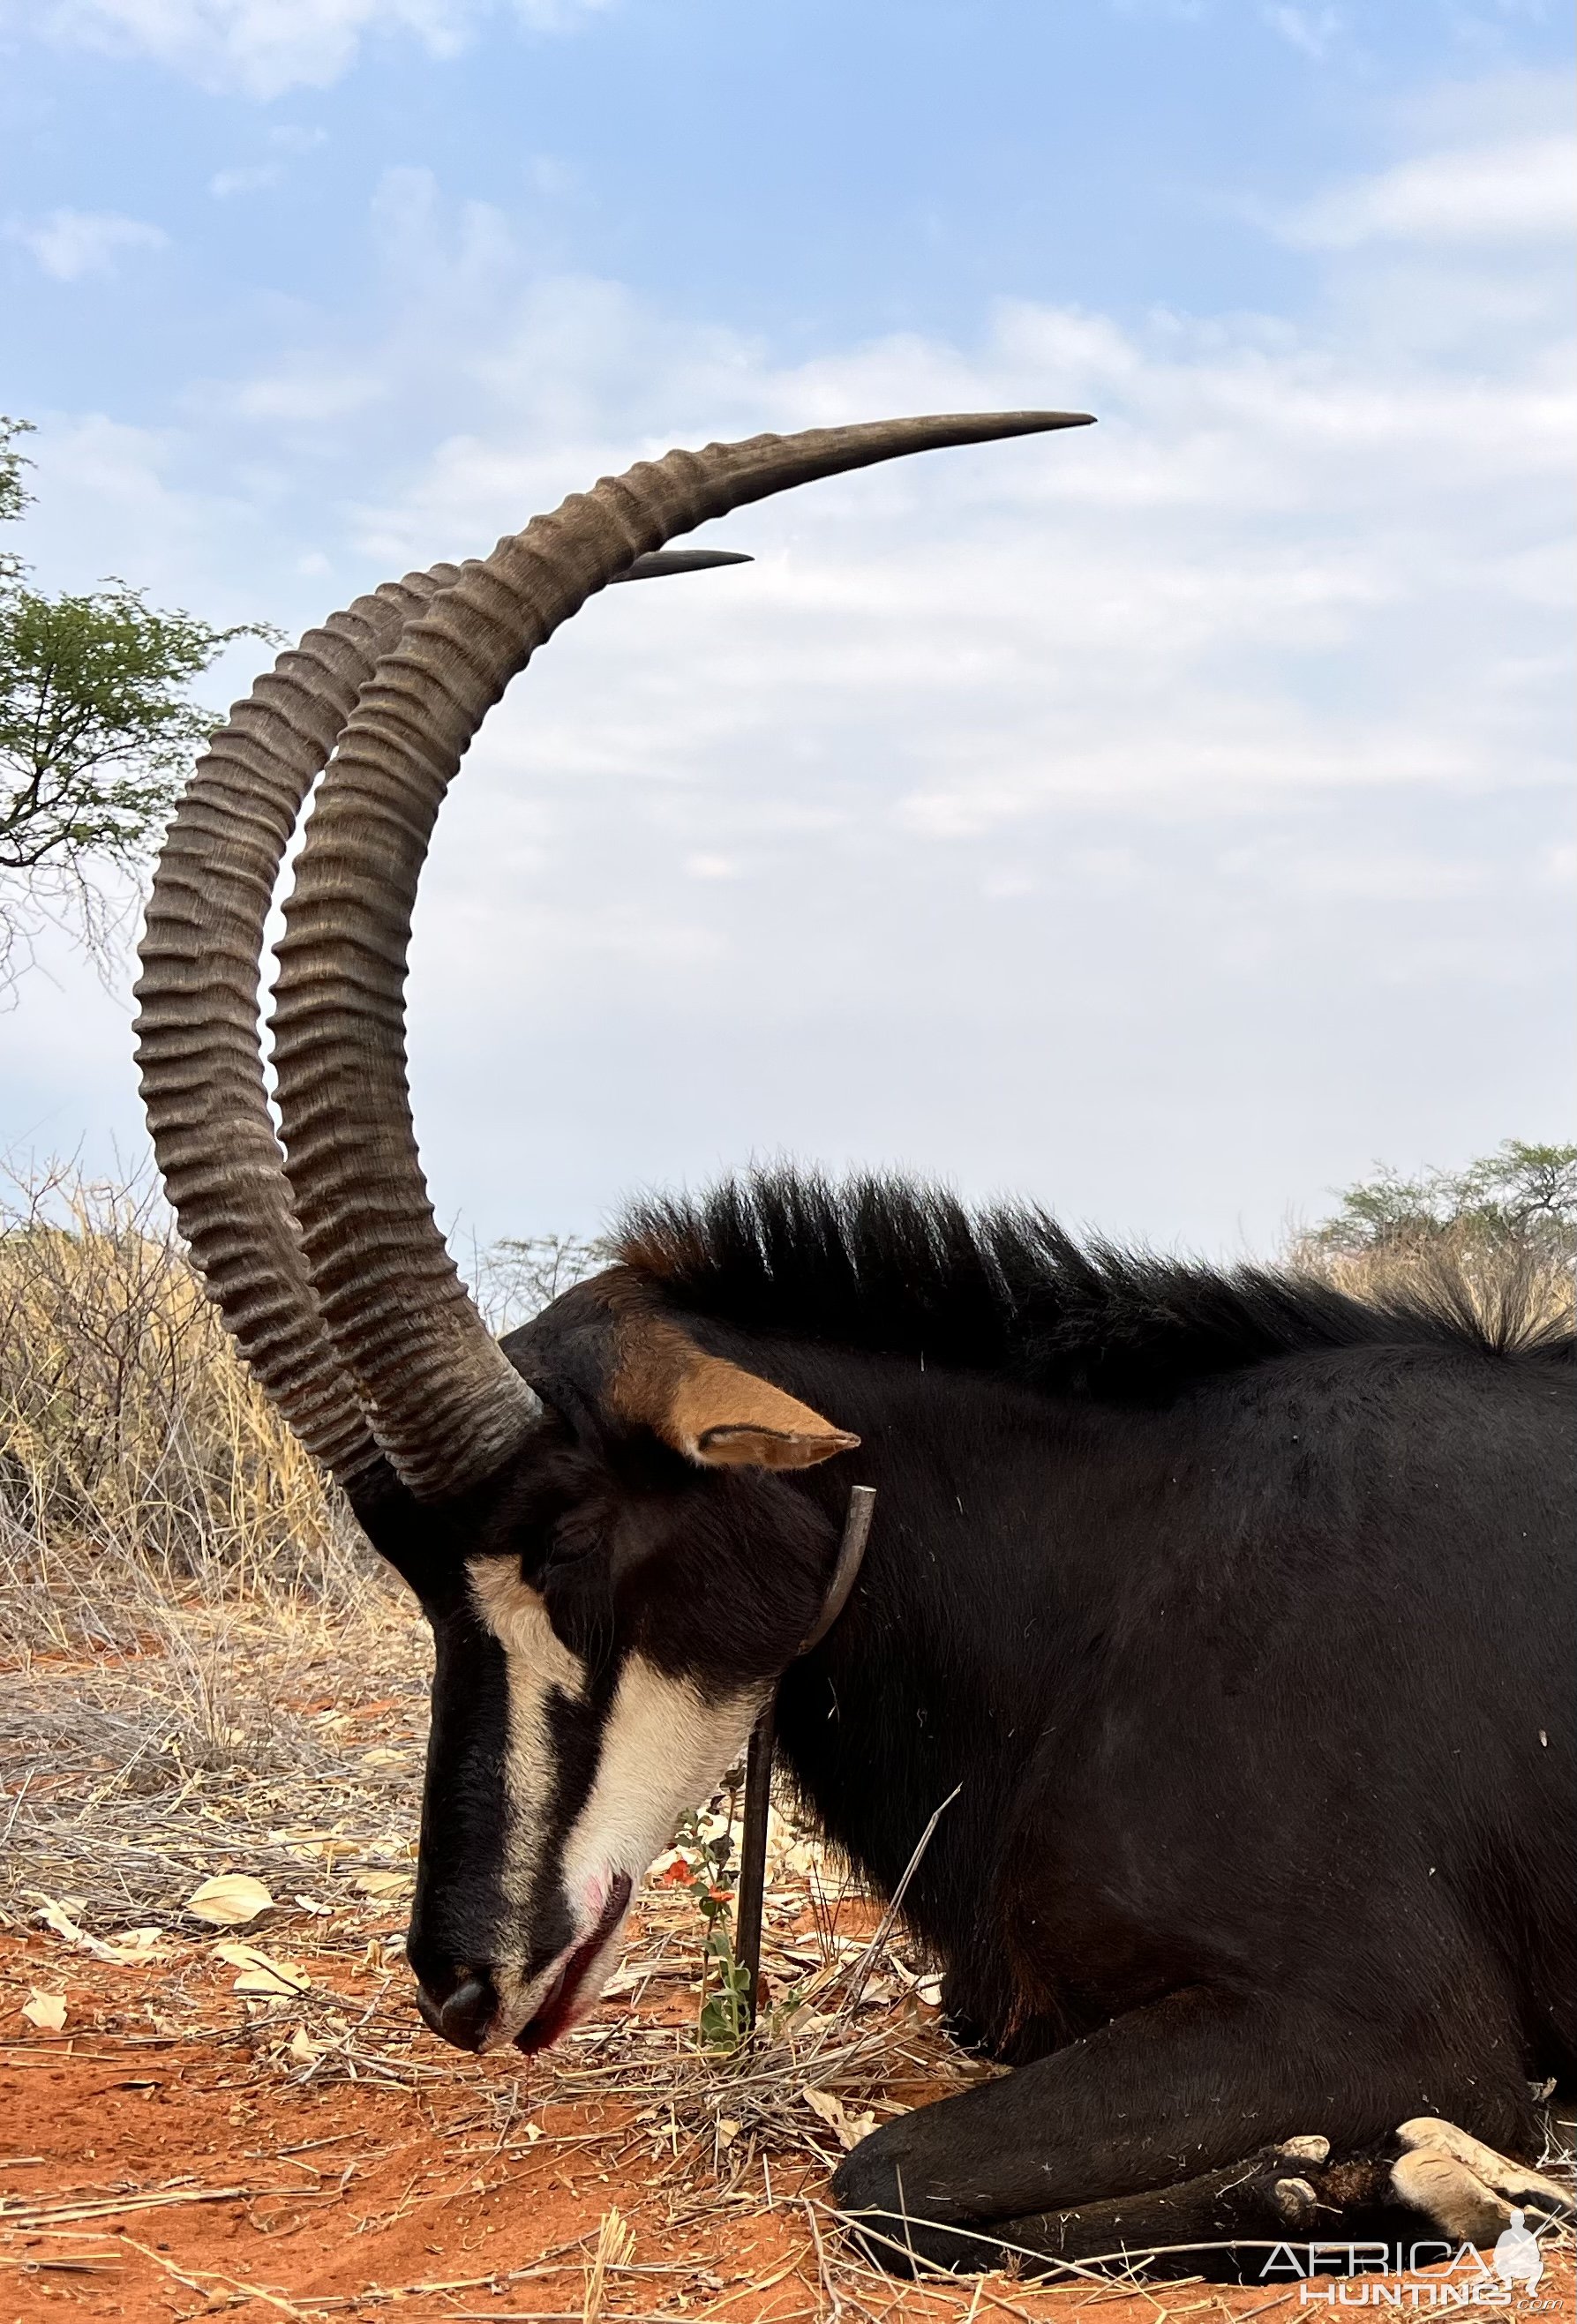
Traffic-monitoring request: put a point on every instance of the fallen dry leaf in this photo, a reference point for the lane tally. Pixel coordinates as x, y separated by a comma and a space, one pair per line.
924, 1984
272, 1979
55, 1917
47, 2011
135, 1945
381, 1884
848, 2128
261, 1972
230, 1901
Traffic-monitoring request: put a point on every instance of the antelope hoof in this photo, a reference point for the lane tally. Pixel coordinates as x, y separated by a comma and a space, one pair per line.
1527, 2189
1464, 2188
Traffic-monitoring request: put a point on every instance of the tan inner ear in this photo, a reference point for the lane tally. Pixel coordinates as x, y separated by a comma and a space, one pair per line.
709, 1409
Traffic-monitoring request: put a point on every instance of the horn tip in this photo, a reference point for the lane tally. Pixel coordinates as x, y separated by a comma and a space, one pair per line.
661, 561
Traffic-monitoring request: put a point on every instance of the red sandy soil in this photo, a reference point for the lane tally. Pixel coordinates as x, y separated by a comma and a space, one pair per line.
170, 2154
150, 2176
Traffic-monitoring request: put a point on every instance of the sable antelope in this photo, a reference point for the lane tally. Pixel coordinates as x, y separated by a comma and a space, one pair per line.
1237, 1613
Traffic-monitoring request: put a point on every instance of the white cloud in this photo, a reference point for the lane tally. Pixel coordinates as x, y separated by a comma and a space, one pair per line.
305, 390
70, 243
1522, 189
1155, 817
284, 139
1054, 765
119, 499
255, 179
1312, 29
551, 177
264, 47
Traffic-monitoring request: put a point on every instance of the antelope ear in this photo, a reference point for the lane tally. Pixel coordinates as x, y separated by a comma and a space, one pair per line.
710, 1410
726, 1418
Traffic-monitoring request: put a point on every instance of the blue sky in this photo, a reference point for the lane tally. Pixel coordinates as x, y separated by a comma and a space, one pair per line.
1162, 821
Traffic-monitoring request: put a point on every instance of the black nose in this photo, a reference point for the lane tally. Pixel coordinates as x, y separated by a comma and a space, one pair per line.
466, 2010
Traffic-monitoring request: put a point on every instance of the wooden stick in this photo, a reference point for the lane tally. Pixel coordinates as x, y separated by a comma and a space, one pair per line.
758, 1772
753, 1853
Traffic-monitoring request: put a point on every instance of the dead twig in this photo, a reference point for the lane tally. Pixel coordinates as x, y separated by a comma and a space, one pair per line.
890, 1917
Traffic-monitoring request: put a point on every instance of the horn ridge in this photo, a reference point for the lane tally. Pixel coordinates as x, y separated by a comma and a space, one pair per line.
197, 1030
445, 1404
393, 1301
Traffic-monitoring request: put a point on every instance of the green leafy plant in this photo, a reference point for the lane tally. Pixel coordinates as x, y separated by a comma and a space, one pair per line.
704, 1866
14, 496
96, 731
1523, 1194
1497, 1237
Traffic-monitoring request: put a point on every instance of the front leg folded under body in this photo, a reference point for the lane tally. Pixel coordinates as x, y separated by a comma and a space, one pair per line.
1168, 2126
1419, 2203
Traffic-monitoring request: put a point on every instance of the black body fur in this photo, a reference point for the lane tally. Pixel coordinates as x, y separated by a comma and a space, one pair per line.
1242, 1614
1239, 1612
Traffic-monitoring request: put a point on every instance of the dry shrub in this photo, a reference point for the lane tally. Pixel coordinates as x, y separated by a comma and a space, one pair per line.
135, 1448
1515, 1290
138, 1458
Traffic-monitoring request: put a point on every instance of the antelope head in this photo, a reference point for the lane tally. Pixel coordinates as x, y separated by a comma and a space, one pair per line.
601, 1518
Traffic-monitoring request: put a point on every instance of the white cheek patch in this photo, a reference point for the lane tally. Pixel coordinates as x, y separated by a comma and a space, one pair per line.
537, 1663
663, 1751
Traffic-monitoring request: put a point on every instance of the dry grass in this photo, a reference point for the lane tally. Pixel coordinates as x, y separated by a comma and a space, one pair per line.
139, 1461
208, 1670
162, 1531
1515, 1290
184, 1598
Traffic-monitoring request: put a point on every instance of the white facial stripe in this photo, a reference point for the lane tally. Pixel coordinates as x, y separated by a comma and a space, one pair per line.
517, 2003
536, 1662
663, 1750
518, 2000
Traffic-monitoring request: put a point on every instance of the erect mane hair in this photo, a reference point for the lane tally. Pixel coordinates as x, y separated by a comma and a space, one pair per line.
887, 1264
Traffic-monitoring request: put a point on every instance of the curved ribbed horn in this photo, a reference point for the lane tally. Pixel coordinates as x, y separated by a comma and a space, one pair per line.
198, 1045
446, 1404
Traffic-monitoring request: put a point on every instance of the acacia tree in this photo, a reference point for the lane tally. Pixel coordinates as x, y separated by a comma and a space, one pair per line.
1523, 1195
14, 498
96, 729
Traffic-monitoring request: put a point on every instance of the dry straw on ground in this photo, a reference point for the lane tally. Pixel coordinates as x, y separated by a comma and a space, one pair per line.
152, 1504
210, 1670
209, 1675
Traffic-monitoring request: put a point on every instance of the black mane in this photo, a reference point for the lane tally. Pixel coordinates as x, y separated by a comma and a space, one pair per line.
890, 1266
